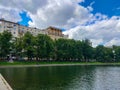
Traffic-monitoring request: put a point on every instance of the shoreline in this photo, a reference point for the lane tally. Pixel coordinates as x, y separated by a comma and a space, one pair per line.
72, 64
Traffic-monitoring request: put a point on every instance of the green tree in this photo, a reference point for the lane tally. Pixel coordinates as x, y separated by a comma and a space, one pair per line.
61, 49
78, 50
18, 47
116, 53
100, 53
44, 47
66, 49
5, 43
104, 54
28, 45
87, 50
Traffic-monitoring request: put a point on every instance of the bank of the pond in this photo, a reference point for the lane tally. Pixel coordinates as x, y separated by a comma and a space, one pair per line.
38, 64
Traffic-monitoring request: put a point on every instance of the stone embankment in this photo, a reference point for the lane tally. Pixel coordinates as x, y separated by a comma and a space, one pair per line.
3, 84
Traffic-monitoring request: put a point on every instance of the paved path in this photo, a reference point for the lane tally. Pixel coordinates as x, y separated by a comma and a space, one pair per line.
3, 84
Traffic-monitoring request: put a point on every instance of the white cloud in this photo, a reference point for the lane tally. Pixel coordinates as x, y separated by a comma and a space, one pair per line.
45, 13
9, 14
78, 20
102, 32
63, 14
114, 41
10, 9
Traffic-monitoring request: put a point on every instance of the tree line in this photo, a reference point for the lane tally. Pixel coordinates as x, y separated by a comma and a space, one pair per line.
43, 48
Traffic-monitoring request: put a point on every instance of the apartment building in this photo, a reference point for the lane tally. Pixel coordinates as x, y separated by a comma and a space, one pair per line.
18, 30
55, 33
34, 31
9, 26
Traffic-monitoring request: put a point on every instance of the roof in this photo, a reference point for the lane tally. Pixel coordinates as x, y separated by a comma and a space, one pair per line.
7, 21
50, 27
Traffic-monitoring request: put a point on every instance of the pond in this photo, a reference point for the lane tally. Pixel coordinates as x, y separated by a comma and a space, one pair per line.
63, 77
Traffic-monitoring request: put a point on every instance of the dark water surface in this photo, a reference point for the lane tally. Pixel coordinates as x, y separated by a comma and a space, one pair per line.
63, 78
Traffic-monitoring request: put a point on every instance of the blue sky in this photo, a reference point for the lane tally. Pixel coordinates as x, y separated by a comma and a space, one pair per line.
25, 18
107, 7
97, 20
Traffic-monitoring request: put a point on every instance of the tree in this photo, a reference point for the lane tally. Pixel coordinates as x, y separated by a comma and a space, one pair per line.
99, 56
78, 50
116, 53
18, 47
61, 49
87, 50
44, 46
66, 49
5, 43
104, 54
28, 45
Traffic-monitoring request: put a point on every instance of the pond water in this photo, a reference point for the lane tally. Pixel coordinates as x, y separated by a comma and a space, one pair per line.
63, 77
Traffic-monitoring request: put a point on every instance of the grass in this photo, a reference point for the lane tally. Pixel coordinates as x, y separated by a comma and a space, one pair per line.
5, 63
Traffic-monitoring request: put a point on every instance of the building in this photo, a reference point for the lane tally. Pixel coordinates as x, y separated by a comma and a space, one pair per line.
18, 30
55, 33
9, 26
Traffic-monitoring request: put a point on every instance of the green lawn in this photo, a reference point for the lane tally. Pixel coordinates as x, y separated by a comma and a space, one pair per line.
2, 63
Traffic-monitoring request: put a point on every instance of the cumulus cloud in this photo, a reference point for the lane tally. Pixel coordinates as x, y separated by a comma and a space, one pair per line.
63, 14
104, 31
78, 20
10, 9
45, 13
9, 14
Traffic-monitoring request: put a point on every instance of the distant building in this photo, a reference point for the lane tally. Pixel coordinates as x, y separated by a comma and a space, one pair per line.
18, 30
9, 26
55, 33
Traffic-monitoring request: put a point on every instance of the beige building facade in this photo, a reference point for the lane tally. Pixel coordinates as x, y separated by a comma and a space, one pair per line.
9, 26
55, 33
18, 30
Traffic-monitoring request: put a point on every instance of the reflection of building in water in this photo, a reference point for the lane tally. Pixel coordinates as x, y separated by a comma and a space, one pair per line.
18, 30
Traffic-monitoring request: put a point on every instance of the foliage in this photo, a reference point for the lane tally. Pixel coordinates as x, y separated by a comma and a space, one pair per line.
28, 45
5, 43
43, 48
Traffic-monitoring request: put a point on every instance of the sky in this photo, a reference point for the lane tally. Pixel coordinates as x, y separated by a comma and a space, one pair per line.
97, 20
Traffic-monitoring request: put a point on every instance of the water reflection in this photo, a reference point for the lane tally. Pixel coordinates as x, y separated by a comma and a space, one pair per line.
63, 78
107, 78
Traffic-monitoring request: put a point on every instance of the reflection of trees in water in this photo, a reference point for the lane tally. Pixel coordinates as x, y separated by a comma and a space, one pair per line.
60, 77
83, 78
14, 76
